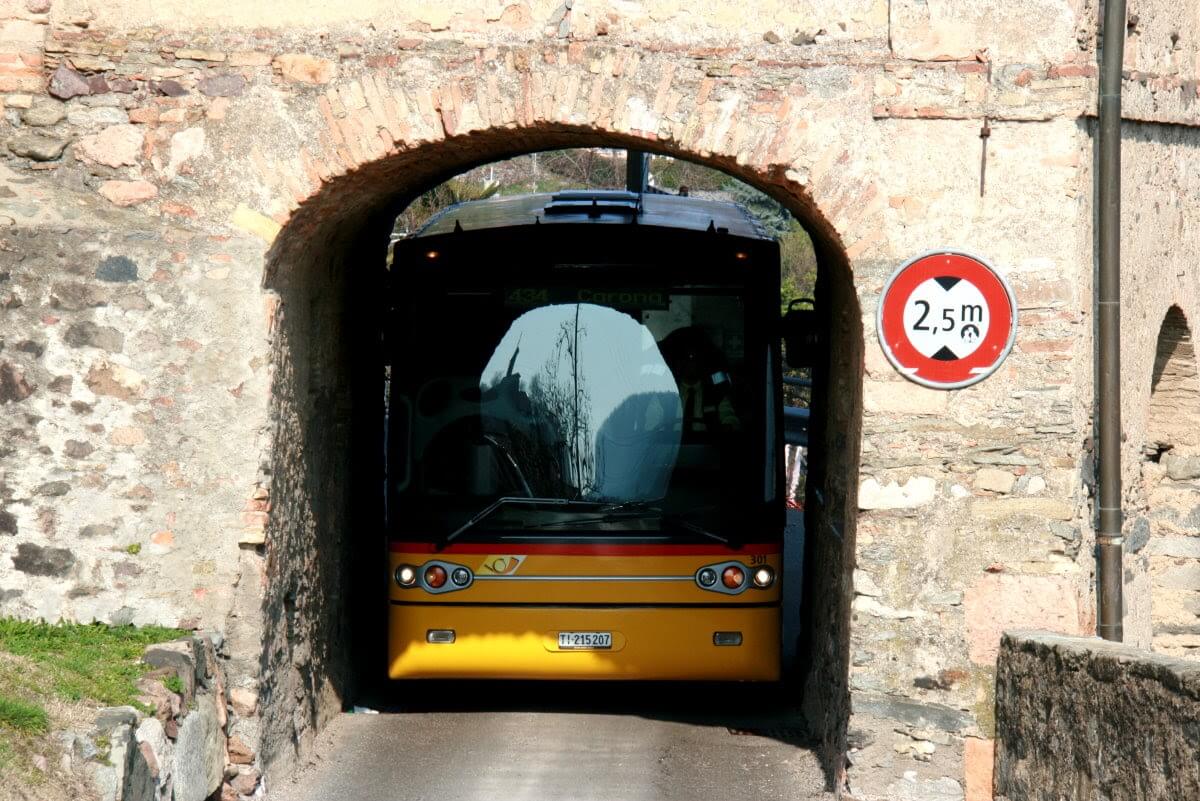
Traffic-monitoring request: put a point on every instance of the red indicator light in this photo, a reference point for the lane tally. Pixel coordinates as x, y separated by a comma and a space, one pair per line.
435, 576
733, 577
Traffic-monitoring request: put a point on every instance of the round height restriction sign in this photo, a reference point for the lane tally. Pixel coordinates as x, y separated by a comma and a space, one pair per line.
946, 319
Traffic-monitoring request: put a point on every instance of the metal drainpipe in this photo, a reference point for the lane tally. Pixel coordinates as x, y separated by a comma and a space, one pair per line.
1109, 541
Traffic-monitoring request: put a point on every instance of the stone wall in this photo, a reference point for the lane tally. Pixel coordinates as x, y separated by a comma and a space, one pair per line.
1160, 283
116, 382
1160, 294
1087, 719
194, 200
194, 739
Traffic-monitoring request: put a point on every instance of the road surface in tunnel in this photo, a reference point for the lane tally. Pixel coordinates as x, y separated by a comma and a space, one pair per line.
566, 742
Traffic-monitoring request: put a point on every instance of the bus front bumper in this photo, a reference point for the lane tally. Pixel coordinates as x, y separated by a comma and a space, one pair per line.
522, 642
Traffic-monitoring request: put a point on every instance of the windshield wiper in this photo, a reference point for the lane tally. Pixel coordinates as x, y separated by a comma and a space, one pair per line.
696, 528
633, 506
635, 510
486, 512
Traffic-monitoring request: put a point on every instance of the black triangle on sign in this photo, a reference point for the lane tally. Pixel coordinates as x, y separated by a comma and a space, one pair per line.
947, 281
945, 354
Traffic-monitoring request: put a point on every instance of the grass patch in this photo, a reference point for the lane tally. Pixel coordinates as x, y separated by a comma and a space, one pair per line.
85, 662
54, 677
22, 716
174, 683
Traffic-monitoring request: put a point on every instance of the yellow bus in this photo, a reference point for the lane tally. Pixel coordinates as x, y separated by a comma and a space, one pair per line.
584, 451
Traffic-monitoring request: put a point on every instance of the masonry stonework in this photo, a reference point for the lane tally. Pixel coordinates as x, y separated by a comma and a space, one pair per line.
195, 197
1065, 707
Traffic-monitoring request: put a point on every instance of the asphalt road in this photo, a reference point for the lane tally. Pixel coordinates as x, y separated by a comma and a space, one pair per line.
566, 742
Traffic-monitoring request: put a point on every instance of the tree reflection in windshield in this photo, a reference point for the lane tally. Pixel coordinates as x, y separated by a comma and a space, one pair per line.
575, 364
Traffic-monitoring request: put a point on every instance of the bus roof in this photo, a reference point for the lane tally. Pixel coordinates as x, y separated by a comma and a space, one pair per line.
597, 207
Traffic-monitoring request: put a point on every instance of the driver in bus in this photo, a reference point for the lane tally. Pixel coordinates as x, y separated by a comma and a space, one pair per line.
704, 389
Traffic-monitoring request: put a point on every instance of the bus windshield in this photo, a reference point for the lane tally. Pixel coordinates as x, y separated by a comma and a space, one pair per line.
598, 411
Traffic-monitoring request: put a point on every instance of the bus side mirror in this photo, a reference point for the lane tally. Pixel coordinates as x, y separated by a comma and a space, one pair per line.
800, 333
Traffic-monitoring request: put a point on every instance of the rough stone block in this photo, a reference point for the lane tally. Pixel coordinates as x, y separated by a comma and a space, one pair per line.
911, 713
917, 491
244, 701
978, 759
199, 759
1001, 601
903, 398
1181, 467
246, 782
870, 606
115, 146
66, 83
955, 30
1180, 547
87, 334
37, 147
255, 223
249, 58
193, 54
151, 732
240, 753
1035, 508
96, 117
185, 146
179, 657
230, 85
303, 68
1179, 577
21, 32
40, 560
113, 716
110, 774
991, 479
14, 386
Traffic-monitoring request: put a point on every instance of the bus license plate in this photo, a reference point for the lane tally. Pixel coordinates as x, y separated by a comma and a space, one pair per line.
584, 640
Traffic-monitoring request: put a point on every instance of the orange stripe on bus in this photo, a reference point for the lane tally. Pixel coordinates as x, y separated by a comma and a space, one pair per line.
589, 549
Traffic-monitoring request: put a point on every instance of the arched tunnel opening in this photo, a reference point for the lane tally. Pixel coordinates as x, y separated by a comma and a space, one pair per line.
326, 584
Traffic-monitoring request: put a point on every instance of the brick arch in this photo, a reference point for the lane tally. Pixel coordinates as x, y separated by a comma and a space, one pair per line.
366, 139
357, 152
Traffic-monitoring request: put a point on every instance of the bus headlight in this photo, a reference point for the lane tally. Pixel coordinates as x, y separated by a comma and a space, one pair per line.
764, 577
707, 577
461, 576
406, 575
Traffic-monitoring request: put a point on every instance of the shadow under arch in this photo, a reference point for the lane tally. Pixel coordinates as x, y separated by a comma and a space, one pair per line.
323, 603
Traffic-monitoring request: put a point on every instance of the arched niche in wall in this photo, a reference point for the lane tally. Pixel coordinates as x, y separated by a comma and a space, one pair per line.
1172, 487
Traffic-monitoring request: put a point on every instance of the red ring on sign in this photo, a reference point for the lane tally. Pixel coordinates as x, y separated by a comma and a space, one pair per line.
979, 364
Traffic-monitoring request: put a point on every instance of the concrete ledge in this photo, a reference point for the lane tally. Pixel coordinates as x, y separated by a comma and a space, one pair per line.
1082, 718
